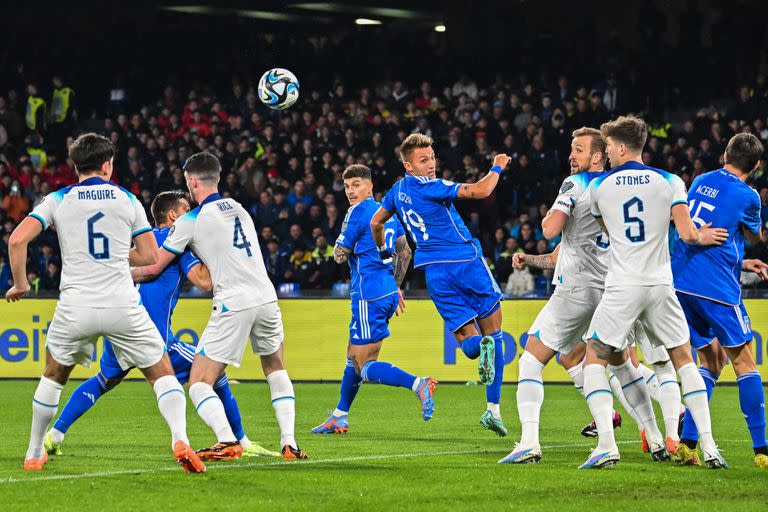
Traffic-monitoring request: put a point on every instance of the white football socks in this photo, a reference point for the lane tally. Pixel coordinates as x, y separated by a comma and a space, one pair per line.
695, 398
597, 392
172, 402
668, 393
638, 397
45, 404
211, 410
619, 394
530, 396
284, 403
576, 373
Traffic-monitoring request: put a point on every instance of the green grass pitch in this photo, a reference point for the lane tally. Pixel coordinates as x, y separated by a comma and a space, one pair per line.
118, 457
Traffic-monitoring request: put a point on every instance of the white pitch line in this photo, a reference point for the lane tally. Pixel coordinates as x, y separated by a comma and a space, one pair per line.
11, 480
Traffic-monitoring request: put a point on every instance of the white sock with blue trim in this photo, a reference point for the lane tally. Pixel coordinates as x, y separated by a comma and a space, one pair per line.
284, 403
668, 396
45, 404
639, 398
695, 398
597, 392
172, 403
619, 394
530, 396
211, 410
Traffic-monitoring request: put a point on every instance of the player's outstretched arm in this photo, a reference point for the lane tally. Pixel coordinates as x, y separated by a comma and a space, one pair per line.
142, 274
688, 232
485, 186
201, 277
756, 266
541, 261
17, 253
145, 250
381, 216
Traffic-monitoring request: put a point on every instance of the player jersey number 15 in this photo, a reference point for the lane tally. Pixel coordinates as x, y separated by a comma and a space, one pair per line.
696, 211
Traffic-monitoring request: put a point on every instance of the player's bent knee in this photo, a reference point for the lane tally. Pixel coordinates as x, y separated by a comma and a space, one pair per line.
602, 350
110, 384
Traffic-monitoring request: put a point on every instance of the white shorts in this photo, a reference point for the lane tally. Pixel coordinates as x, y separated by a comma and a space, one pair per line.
224, 337
563, 321
655, 306
72, 336
652, 354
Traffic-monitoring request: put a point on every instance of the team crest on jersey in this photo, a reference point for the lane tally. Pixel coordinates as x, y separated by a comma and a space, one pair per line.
567, 185
173, 228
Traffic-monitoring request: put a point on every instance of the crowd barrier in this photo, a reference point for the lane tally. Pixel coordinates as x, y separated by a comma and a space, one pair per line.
316, 333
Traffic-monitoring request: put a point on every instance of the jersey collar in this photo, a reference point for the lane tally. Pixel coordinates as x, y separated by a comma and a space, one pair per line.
629, 165
93, 180
211, 198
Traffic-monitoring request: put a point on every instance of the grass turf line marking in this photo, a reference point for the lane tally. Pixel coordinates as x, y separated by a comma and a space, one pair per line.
11, 480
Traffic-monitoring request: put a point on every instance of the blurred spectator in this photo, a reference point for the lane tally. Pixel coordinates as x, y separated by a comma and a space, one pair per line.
15, 204
520, 282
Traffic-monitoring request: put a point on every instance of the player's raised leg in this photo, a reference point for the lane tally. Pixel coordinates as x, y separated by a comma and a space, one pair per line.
338, 421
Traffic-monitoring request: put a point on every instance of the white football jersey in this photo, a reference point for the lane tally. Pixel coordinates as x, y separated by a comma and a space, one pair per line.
221, 233
96, 221
634, 201
583, 257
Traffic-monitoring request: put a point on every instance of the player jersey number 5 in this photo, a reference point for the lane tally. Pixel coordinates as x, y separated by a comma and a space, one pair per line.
635, 227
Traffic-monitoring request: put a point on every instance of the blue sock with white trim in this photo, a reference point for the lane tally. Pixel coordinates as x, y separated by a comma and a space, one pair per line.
388, 374
45, 403
690, 432
752, 400
81, 400
224, 392
493, 392
284, 404
530, 396
471, 346
350, 385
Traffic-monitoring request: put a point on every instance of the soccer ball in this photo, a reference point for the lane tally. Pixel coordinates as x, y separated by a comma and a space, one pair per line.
278, 88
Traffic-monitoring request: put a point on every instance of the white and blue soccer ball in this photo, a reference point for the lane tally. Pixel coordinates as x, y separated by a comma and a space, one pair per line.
278, 88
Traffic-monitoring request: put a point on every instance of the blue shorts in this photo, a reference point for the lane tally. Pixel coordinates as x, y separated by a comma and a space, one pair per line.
708, 319
370, 319
181, 355
463, 291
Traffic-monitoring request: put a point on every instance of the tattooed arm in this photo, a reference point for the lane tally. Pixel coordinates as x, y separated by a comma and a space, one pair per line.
401, 259
485, 186
541, 261
341, 254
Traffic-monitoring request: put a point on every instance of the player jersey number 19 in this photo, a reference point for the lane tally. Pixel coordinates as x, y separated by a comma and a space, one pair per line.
415, 222
635, 231
94, 236
240, 235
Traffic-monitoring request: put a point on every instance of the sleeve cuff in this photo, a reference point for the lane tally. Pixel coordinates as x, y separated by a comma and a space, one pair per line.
36, 216
597, 216
679, 202
456, 188
174, 251
192, 264
140, 231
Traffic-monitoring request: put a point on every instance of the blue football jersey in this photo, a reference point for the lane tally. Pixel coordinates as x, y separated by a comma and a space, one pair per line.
713, 272
159, 296
426, 207
371, 278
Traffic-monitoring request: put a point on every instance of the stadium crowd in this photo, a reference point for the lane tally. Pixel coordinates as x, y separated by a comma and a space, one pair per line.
286, 168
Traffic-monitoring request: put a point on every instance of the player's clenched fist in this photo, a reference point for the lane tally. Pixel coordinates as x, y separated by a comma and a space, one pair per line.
502, 160
518, 260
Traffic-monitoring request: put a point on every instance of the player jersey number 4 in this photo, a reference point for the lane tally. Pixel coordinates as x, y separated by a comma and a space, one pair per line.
221, 233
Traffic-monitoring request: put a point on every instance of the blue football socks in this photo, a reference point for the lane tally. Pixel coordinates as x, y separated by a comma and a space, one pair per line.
82, 399
385, 373
350, 385
222, 389
493, 392
471, 346
752, 400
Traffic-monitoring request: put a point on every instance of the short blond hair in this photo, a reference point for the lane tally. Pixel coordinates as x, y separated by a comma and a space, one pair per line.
628, 130
413, 141
597, 143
